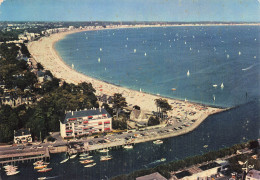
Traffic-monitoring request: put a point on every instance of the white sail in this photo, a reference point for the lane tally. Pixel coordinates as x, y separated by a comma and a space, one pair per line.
99, 60
100, 49
239, 53
72, 66
188, 73
134, 50
222, 85
144, 54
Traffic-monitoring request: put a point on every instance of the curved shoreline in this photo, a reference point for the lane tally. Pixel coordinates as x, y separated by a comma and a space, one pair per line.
43, 51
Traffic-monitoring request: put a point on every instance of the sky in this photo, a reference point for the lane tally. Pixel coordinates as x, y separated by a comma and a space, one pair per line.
130, 10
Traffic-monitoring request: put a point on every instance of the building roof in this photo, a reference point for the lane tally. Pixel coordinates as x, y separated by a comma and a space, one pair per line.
182, 174
254, 174
22, 132
209, 166
83, 113
153, 176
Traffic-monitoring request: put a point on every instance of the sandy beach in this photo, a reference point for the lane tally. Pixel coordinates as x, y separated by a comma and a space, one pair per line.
43, 51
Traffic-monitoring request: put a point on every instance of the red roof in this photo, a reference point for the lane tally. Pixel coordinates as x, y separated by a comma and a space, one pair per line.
107, 122
85, 122
68, 131
72, 119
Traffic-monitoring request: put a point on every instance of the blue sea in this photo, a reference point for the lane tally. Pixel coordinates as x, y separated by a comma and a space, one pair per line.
157, 60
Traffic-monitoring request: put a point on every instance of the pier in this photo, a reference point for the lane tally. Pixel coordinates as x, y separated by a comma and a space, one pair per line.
14, 156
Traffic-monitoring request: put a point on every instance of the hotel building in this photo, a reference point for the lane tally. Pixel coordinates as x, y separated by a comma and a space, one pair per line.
22, 136
85, 122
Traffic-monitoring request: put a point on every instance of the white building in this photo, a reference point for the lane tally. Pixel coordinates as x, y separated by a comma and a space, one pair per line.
22, 136
85, 122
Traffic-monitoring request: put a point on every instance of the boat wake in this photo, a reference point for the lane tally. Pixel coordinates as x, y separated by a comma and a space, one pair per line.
245, 69
155, 162
51, 177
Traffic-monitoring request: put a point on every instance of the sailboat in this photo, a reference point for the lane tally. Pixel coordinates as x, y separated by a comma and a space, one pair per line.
222, 85
100, 49
227, 55
144, 54
214, 98
140, 90
99, 60
72, 66
134, 50
188, 73
239, 53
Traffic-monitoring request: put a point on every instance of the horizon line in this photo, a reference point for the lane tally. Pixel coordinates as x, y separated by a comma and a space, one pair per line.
139, 21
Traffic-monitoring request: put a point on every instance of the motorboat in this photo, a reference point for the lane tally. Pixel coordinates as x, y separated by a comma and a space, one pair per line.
40, 163
105, 158
6, 166
40, 166
83, 154
85, 157
215, 85
173, 89
10, 169
163, 159
12, 173
158, 142
73, 156
103, 150
90, 165
42, 178
87, 161
65, 160
129, 146
45, 170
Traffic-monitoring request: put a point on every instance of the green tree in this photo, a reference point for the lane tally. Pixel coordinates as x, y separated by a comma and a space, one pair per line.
153, 120
162, 106
39, 66
119, 102
24, 50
